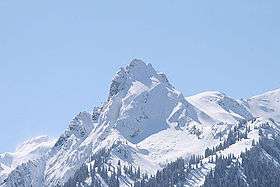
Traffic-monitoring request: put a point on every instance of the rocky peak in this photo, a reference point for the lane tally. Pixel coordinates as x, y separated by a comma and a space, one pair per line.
78, 129
82, 122
135, 71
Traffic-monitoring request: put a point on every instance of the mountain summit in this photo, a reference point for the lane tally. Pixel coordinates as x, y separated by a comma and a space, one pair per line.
147, 127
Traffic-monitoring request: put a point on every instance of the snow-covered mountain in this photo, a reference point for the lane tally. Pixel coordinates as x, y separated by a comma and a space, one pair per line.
30, 150
145, 123
266, 105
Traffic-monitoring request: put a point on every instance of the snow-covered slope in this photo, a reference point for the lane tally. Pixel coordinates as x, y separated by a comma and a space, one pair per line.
266, 105
221, 107
67, 155
145, 123
27, 174
30, 150
269, 129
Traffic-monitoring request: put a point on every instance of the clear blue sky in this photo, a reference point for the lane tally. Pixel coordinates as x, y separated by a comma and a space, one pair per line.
57, 57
